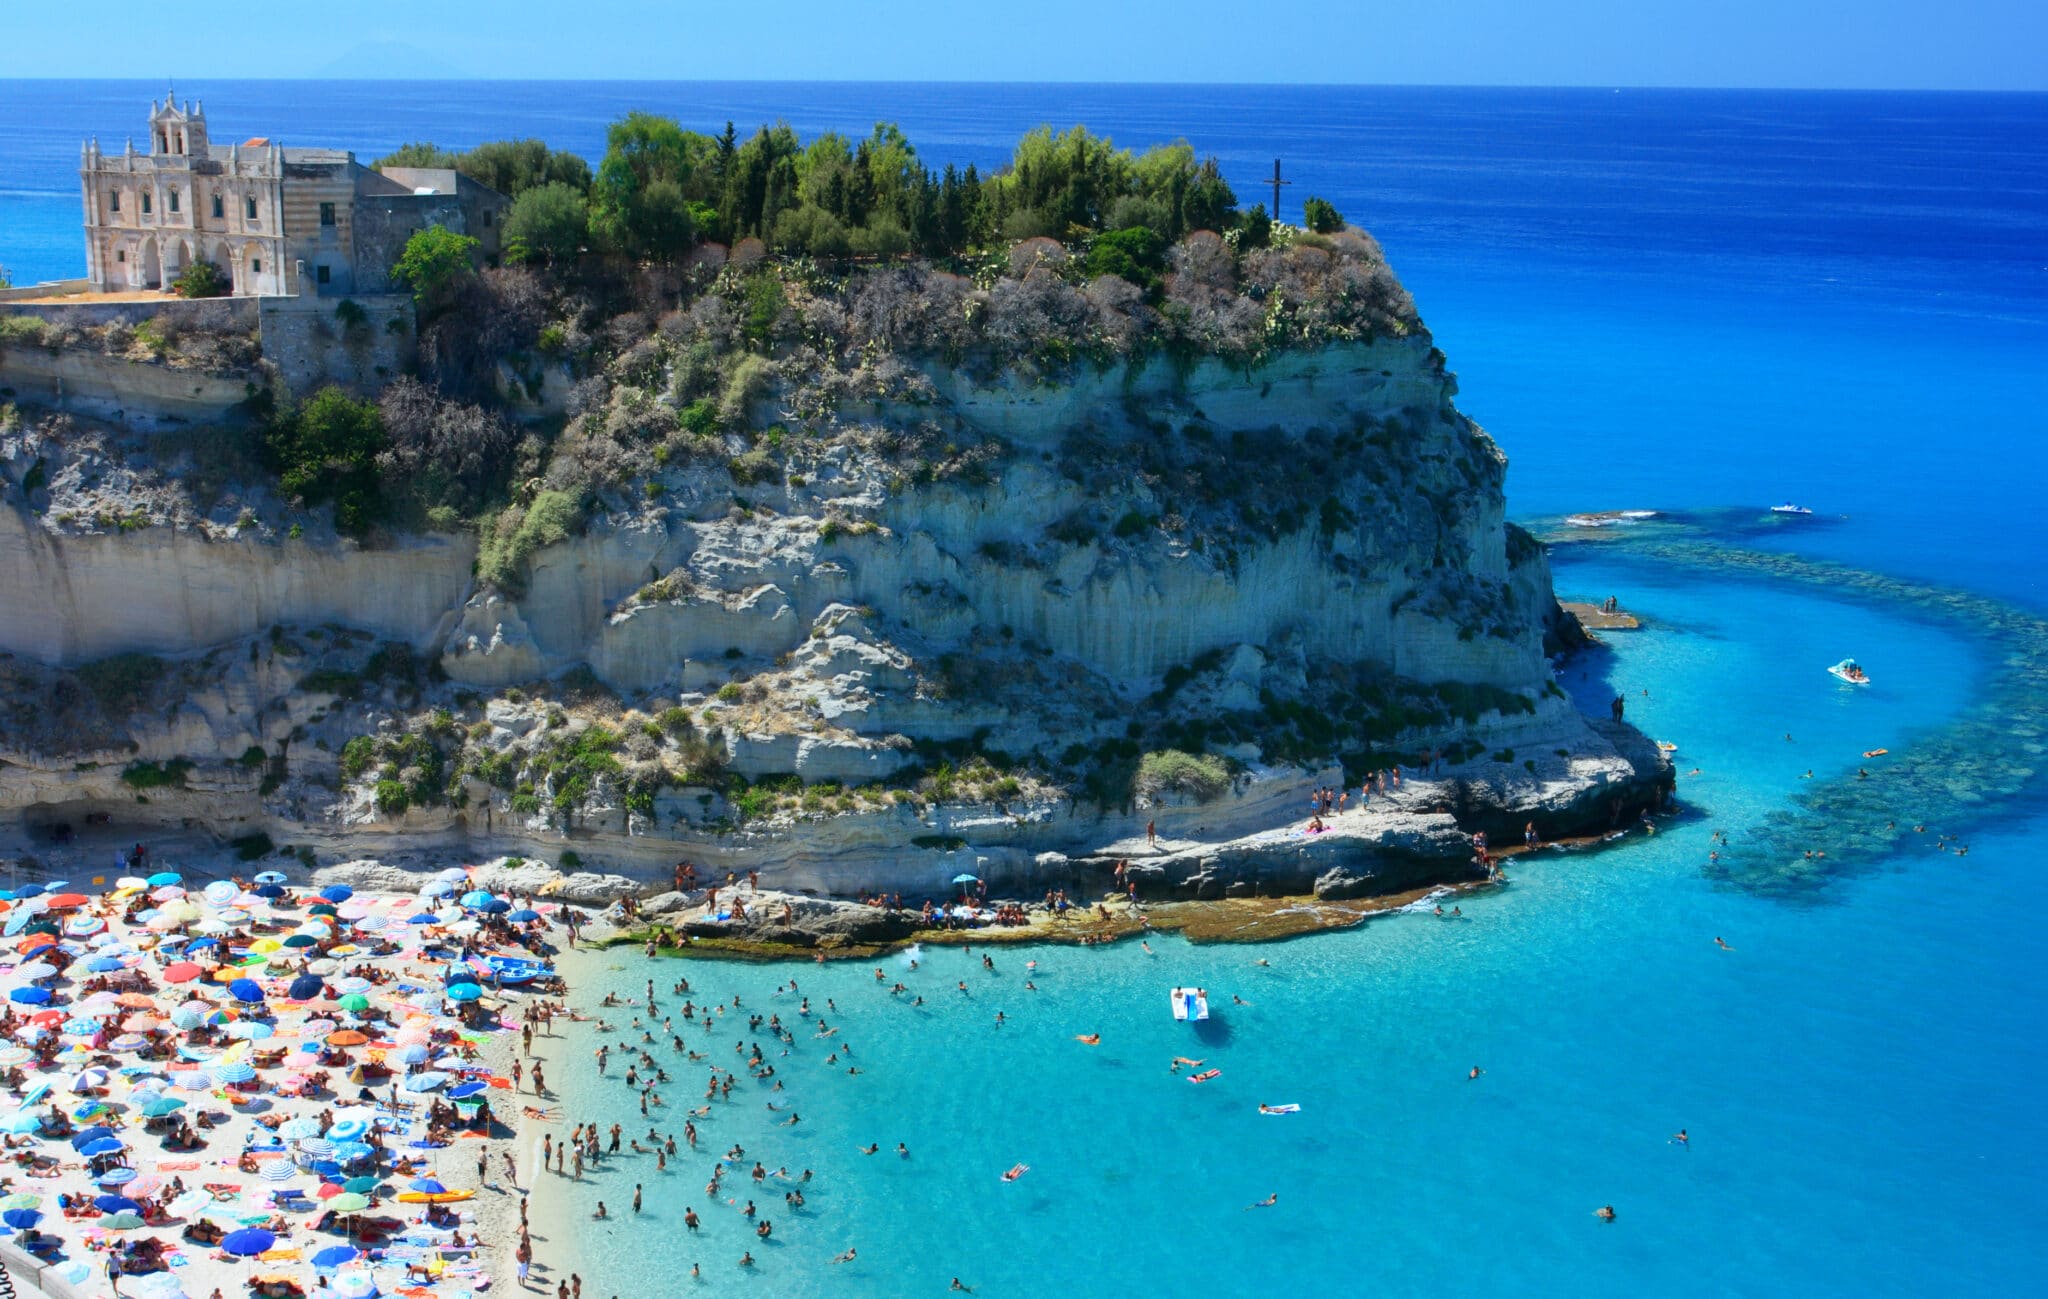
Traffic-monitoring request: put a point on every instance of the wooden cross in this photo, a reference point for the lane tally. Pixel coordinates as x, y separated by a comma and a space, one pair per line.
1277, 183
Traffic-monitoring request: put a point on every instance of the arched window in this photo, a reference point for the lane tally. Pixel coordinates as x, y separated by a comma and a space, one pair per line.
218, 212
145, 202
173, 194
113, 200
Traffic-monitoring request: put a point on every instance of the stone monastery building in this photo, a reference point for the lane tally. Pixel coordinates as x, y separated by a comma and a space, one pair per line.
276, 221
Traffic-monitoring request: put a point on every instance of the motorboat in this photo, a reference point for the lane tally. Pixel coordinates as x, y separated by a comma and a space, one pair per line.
1851, 671
1789, 508
1190, 1003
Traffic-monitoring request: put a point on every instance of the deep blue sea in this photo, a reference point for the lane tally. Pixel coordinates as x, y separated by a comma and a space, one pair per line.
1696, 302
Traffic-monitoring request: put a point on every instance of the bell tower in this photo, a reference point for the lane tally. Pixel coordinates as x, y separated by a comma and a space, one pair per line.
175, 131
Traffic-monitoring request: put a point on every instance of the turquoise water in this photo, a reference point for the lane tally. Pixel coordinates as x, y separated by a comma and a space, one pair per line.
1683, 300
1852, 1075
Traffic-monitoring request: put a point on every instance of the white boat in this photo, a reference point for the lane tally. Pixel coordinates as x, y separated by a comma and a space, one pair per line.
1190, 1003
1789, 508
1851, 671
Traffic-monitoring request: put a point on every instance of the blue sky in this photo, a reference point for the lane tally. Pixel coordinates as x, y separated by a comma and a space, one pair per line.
1885, 44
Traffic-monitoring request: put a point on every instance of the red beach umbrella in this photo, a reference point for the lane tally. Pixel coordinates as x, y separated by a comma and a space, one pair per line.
65, 901
182, 972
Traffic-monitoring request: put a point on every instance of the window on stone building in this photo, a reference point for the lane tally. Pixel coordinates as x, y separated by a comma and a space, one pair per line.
218, 210
255, 266
320, 274
327, 214
487, 218
114, 200
249, 209
174, 200
121, 255
145, 202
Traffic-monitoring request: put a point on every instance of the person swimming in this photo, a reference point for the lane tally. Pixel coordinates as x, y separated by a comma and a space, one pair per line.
1682, 1139
1476, 1071
1722, 943
1016, 1171
1604, 1213
1088, 1039
1266, 1203
846, 1257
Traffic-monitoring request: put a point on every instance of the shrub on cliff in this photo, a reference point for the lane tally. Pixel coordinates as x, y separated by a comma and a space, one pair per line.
201, 280
326, 450
510, 539
1321, 217
441, 452
435, 262
1200, 776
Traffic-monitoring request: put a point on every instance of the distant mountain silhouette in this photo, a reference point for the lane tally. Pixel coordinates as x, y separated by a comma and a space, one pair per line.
392, 61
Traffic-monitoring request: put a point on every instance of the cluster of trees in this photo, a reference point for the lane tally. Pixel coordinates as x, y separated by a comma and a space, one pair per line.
660, 189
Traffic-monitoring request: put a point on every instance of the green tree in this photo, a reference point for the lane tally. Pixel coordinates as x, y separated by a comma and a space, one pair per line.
547, 223
1318, 215
420, 154
435, 261
1254, 228
326, 450
1136, 254
201, 279
514, 166
652, 171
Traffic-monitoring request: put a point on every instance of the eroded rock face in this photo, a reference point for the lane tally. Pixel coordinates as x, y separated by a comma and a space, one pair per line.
1242, 535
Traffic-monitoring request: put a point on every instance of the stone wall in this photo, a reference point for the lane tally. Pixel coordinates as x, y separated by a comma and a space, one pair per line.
312, 342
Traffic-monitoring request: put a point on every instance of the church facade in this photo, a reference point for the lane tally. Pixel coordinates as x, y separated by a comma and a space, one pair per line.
274, 220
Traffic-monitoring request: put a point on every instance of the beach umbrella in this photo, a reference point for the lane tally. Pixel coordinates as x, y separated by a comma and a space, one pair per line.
83, 926
466, 1090
354, 1002
14, 1055
168, 893
119, 1222
162, 1106
20, 1200
349, 1129
354, 1285
246, 990
350, 1151
80, 1140
269, 877
128, 1042
360, 1185
247, 1242
523, 916
115, 1204
87, 1079
349, 1202
162, 878
104, 1146
440, 889
269, 892
30, 996
305, 987
464, 992
182, 972
238, 1071
413, 1053
278, 1170
425, 1082
28, 890
20, 1122
66, 901
20, 1219
103, 964
337, 893
336, 1255
299, 941
299, 1129
477, 898
118, 1177
251, 1030
31, 971
220, 892
353, 983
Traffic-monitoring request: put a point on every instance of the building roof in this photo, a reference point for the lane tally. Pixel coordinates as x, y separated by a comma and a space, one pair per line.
425, 180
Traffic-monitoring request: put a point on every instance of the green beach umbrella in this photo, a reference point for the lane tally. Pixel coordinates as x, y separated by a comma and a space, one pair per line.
355, 1001
20, 1200
162, 1106
349, 1202
359, 1185
120, 1221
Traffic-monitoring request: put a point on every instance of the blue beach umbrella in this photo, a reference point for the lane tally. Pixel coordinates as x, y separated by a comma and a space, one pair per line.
440, 889
102, 964
305, 987
425, 1082
269, 877
104, 1146
21, 1219
239, 1071
523, 916
271, 891
118, 1176
476, 897
337, 893
421, 918
336, 1255
246, 990
248, 1241
30, 996
426, 1186
28, 890
464, 992
81, 1140
163, 878
465, 1090
115, 1204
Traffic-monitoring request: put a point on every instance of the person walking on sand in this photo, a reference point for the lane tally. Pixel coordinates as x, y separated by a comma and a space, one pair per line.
1151, 834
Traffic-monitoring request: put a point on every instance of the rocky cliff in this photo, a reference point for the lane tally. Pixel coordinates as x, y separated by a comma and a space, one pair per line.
996, 611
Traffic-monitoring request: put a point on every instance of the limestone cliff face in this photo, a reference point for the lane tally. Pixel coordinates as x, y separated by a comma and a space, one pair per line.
1249, 537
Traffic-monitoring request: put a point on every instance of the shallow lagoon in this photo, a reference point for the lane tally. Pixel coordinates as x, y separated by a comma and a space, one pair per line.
1854, 1074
